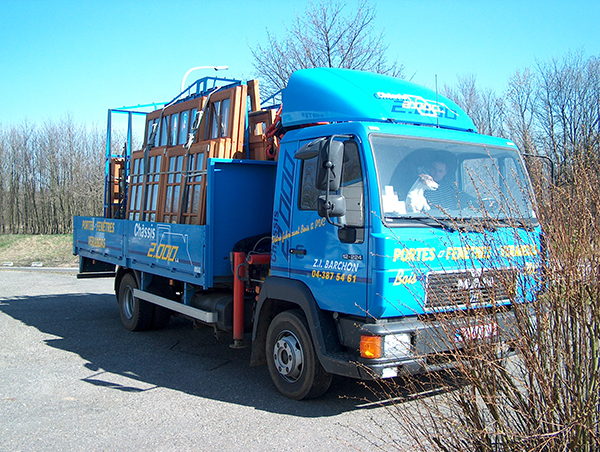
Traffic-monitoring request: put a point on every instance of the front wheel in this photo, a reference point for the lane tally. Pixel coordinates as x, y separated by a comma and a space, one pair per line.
293, 363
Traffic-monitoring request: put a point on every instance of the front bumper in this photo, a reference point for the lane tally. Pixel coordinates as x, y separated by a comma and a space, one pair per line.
434, 340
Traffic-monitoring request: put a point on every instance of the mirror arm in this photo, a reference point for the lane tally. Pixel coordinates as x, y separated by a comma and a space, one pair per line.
547, 159
341, 226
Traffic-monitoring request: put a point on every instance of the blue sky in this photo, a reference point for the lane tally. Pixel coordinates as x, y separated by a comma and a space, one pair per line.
60, 57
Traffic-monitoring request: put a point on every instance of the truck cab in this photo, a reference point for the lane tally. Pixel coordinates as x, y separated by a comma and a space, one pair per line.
372, 246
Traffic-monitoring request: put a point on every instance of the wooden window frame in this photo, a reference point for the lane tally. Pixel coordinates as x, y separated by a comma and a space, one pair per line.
229, 146
169, 214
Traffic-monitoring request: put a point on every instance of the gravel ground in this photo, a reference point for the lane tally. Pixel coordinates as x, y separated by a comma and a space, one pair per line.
72, 378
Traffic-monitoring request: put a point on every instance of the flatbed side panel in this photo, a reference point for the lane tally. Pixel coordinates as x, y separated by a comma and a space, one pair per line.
174, 251
100, 239
239, 205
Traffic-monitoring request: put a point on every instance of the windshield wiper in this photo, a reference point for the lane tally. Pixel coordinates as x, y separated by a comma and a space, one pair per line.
470, 224
522, 223
427, 221
465, 224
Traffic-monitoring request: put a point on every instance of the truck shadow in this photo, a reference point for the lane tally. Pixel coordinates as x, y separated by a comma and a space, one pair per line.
179, 357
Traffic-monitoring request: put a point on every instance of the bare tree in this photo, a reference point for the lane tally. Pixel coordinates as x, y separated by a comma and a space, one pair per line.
20, 178
482, 105
554, 110
49, 174
324, 37
520, 100
568, 112
4, 165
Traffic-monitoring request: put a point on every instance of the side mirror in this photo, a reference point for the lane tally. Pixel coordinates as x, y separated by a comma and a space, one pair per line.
311, 150
332, 206
329, 166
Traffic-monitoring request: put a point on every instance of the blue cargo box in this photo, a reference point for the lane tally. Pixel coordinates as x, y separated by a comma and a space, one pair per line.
239, 205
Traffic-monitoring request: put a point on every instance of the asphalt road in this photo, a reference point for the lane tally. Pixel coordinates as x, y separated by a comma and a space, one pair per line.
72, 378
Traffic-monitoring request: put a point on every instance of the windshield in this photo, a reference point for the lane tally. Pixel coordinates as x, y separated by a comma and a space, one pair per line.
421, 178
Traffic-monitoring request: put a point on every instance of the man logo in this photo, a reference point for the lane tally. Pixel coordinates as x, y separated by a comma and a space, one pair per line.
475, 283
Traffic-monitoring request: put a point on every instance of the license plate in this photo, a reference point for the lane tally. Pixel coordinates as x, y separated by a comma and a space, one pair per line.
475, 332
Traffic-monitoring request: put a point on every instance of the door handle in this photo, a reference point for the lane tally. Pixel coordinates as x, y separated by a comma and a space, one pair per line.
298, 251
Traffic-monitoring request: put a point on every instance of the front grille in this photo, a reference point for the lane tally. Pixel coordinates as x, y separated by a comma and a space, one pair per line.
469, 288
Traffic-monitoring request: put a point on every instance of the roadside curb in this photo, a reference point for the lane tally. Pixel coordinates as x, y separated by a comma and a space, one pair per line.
43, 269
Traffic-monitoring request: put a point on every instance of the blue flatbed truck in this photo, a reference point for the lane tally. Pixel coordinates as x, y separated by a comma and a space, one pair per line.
320, 250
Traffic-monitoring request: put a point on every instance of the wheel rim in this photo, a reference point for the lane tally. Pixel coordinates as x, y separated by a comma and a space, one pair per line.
128, 303
288, 356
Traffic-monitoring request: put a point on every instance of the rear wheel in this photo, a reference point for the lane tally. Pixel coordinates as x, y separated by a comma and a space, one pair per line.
160, 318
293, 363
136, 314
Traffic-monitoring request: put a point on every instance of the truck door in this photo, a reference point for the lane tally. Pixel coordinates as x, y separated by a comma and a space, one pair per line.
331, 260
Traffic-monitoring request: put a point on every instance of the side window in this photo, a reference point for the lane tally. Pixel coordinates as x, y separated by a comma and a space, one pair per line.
351, 187
308, 192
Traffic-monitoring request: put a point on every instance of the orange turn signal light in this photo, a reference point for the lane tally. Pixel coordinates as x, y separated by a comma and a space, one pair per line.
370, 347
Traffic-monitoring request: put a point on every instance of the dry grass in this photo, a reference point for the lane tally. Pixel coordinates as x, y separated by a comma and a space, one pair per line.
50, 250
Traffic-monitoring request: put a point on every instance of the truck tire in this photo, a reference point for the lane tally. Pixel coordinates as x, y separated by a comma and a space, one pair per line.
160, 318
136, 314
293, 363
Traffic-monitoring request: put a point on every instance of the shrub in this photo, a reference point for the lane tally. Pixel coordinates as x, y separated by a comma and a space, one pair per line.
547, 395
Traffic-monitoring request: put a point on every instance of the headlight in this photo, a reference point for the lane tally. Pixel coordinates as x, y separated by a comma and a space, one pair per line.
397, 345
